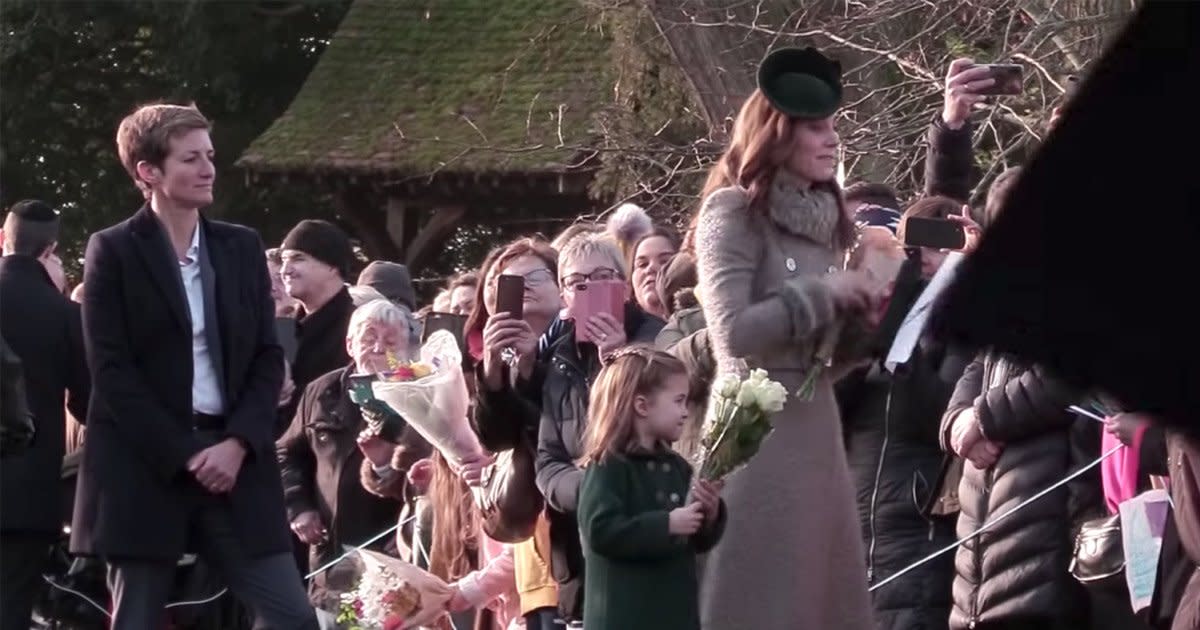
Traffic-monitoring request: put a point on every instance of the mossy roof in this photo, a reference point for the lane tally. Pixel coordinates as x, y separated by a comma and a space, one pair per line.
409, 86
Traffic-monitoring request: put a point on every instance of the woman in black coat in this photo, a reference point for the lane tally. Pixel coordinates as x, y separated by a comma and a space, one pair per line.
1010, 421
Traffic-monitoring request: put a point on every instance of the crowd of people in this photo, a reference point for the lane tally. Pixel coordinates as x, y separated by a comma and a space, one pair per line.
216, 381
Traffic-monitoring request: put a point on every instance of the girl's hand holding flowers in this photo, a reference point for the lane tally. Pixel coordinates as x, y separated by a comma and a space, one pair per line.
471, 469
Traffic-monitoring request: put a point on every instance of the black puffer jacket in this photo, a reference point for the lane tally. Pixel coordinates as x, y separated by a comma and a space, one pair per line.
1018, 569
572, 369
891, 426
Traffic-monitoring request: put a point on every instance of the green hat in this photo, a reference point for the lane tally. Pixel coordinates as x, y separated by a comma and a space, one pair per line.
801, 83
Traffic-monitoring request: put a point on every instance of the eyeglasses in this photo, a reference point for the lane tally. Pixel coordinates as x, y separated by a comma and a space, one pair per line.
538, 277
533, 279
599, 274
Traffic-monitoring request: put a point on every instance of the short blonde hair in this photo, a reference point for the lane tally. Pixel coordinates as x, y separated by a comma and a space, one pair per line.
589, 244
145, 135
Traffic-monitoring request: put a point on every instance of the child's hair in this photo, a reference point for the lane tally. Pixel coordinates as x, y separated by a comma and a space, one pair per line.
456, 523
637, 370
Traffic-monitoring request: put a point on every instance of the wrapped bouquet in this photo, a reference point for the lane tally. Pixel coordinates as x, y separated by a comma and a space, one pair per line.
431, 395
738, 421
392, 595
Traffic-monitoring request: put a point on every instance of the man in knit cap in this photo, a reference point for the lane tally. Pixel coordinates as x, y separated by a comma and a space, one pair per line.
316, 262
43, 330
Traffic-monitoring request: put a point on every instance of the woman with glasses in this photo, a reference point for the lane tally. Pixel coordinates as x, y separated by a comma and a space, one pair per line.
575, 360
510, 357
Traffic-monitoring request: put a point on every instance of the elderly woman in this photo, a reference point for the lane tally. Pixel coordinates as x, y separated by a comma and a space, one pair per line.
319, 456
576, 359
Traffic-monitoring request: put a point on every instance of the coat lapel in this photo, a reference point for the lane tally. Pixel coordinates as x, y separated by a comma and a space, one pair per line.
227, 299
155, 250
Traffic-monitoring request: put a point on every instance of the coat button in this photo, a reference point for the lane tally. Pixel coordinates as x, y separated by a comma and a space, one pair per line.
650, 466
790, 263
666, 467
674, 497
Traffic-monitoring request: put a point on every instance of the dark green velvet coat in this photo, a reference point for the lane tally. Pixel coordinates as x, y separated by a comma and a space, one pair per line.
638, 575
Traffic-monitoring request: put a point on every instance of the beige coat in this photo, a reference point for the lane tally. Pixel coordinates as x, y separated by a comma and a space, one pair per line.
792, 555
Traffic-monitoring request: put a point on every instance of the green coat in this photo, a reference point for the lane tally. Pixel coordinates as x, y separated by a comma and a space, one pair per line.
638, 575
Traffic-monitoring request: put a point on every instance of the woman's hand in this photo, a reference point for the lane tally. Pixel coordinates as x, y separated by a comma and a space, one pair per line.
420, 474
708, 493
607, 333
1125, 426
967, 441
502, 332
852, 290
471, 470
971, 229
963, 82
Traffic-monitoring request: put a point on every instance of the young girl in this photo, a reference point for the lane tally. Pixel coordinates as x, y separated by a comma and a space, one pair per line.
641, 528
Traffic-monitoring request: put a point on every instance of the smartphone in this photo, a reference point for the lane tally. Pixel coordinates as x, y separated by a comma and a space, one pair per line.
1009, 79
382, 419
934, 233
593, 298
510, 295
446, 321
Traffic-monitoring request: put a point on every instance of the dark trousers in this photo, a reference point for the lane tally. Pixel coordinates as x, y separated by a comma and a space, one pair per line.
543, 619
269, 585
23, 558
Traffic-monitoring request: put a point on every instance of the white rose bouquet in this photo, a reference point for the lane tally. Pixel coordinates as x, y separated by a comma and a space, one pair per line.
738, 422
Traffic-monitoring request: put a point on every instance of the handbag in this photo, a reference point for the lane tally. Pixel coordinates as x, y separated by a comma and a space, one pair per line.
1099, 557
509, 500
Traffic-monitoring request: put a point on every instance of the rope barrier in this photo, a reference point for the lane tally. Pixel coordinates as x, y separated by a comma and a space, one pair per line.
988, 525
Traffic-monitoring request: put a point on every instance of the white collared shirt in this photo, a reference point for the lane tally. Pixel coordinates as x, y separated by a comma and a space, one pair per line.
206, 388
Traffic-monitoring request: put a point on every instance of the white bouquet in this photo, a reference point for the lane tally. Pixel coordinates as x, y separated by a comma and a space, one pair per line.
737, 423
432, 397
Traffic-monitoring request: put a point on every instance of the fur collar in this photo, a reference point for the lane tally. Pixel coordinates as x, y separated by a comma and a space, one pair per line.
811, 212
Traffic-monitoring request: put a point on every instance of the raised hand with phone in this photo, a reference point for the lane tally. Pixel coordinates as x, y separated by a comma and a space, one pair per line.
969, 83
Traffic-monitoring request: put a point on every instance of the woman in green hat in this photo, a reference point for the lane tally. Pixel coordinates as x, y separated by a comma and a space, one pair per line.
770, 239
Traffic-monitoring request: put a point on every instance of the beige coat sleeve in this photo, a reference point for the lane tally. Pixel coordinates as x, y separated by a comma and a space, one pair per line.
729, 244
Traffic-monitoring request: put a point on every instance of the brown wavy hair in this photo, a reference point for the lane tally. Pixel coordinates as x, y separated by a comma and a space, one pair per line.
637, 370
758, 147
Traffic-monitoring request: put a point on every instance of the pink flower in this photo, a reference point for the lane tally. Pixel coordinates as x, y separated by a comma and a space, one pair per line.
393, 622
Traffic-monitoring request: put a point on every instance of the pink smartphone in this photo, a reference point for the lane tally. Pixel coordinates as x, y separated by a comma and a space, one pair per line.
604, 296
